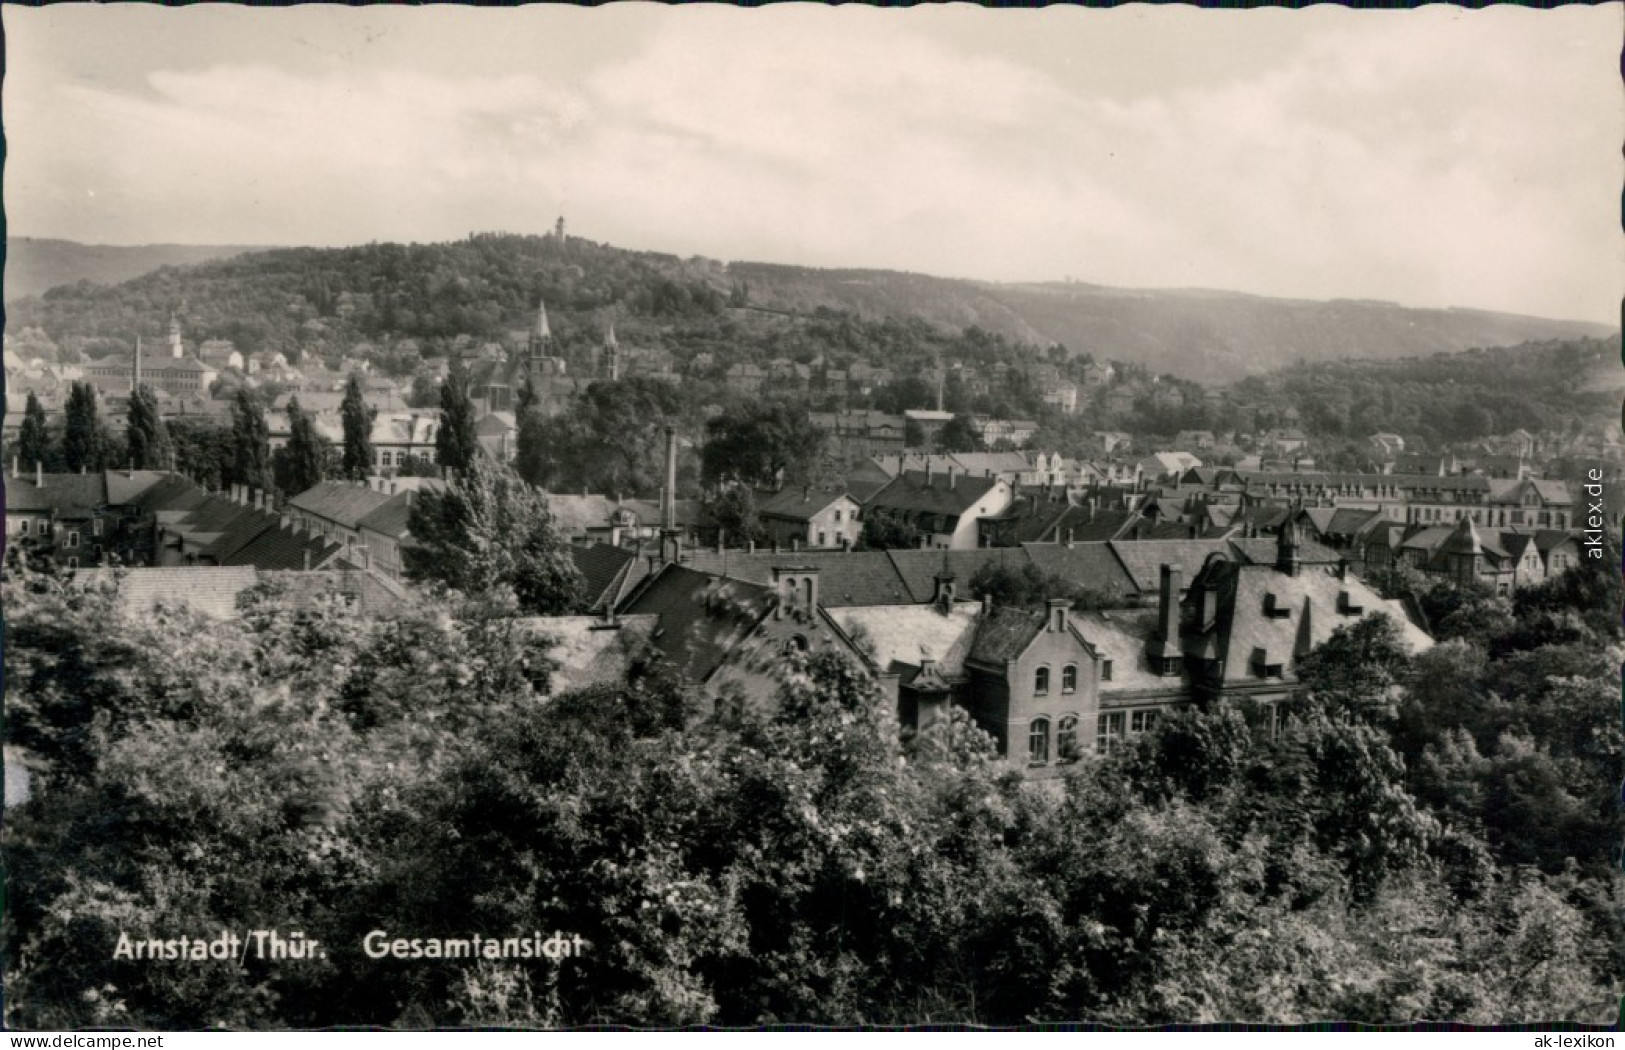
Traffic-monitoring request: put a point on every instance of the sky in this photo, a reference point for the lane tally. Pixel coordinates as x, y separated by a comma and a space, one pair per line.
1432, 157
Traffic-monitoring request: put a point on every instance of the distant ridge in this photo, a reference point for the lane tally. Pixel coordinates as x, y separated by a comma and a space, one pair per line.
1213, 337
35, 264
1201, 334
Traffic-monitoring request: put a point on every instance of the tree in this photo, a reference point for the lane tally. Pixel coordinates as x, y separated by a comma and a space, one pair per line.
304, 460
763, 446
145, 434
358, 416
1358, 670
913, 434
960, 434
456, 446
884, 531
34, 438
489, 529
202, 449
534, 459
250, 444
84, 446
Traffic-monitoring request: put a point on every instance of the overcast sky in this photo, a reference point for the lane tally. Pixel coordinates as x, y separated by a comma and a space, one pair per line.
1433, 157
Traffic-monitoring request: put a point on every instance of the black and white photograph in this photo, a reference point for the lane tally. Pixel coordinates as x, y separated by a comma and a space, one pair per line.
654, 517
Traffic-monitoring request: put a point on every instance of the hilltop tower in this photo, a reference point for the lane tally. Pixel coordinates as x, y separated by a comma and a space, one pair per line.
175, 350
558, 230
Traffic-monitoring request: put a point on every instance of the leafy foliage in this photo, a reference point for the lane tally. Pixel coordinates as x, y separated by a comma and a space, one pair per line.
357, 418
486, 530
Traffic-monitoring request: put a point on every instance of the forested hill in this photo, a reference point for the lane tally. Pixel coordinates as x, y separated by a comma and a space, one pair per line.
1208, 336
36, 264
328, 299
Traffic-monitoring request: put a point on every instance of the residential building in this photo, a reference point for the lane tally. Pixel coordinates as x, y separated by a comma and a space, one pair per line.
809, 517
945, 508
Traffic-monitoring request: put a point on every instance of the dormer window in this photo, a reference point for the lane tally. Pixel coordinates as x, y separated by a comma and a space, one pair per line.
1105, 670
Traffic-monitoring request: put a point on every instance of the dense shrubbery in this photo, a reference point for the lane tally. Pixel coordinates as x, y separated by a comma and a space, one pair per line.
1425, 839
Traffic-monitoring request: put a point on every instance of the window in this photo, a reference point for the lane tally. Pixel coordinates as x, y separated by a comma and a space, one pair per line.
1105, 670
821, 538
73, 538
1038, 740
1142, 721
1066, 739
1041, 681
22, 527
837, 517
1069, 679
1109, 732
96, 527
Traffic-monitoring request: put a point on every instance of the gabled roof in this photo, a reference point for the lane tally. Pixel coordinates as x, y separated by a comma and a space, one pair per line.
209, 590
604, 570
1245, 633
910, 492
905, 635
69, 495
340, 502
277, 548
845, 578
575, 515
390, 517
918, 569
1004, 635
1092, 565
125, 486
701, 617
240, 532
797, 504
172, 493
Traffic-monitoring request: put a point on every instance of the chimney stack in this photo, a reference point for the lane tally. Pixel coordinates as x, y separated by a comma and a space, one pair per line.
668, 498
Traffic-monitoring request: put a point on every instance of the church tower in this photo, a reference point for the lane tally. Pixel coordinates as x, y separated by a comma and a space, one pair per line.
540, 343
612, 355
175, 350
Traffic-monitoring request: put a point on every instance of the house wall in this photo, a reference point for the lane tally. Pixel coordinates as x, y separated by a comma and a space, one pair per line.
1055, 650
966, 534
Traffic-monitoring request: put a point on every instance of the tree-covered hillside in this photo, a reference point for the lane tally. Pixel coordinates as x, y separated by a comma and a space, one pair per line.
476, 287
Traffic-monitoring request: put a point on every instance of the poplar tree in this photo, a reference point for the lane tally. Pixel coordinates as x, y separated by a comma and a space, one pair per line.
250, 443
34, 439
455, 444
358, 417
304, 460
145, 433
83, 445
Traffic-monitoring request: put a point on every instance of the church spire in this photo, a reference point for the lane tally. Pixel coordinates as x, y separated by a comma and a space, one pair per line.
542, 331
175, 337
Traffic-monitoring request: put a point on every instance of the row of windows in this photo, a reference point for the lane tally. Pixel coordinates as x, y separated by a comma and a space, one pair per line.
1069, 678
25, 524
1112, 729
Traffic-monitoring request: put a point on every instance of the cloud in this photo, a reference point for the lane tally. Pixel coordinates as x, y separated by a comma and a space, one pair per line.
1424, 157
